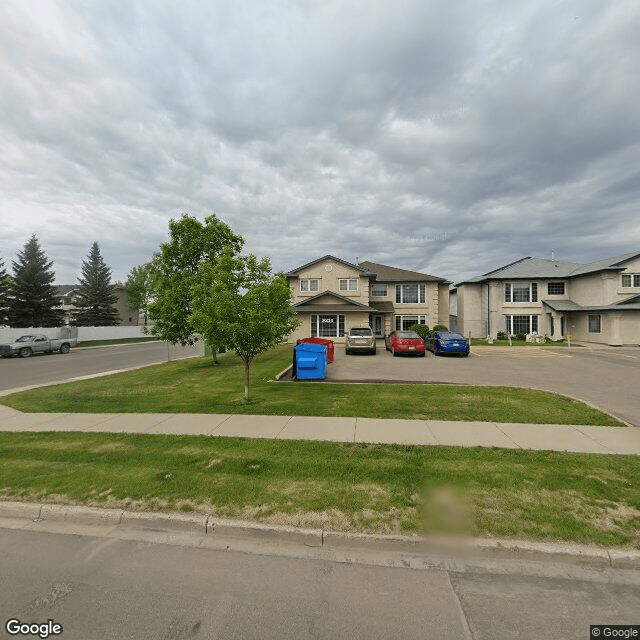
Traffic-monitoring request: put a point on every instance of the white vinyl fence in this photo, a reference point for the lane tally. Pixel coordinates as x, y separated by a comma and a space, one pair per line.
85, 334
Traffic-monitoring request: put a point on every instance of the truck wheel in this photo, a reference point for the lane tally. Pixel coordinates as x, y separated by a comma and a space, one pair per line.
25, 352
64, 348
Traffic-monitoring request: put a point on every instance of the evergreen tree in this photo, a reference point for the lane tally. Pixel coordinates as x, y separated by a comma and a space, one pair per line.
5, 281
96, 295
33, 300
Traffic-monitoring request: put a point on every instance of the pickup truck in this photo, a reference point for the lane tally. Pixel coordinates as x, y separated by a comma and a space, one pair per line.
26, 346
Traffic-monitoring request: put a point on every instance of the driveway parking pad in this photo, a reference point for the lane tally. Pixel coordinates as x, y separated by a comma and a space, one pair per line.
470, 434
554, 436
313, 428
393, 431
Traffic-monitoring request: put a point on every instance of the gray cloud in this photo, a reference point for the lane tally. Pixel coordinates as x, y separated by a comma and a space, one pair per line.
445, 138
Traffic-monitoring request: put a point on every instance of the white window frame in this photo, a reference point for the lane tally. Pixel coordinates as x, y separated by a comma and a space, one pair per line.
596, 319
316, 322
555, 284
348, 282
532, 295
533, 319
401, 295
400, 321
379, 285
305, 285
632, 280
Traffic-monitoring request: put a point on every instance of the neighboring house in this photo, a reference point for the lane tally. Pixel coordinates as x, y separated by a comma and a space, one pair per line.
68, 292
331, 296
595, 302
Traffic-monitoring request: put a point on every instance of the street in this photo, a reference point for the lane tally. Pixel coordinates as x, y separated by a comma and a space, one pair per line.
140, 584
45, 369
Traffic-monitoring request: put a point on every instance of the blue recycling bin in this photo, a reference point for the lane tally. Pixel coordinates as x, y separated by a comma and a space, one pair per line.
310, 361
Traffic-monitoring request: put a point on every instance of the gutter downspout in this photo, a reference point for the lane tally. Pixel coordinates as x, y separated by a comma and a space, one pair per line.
488, 311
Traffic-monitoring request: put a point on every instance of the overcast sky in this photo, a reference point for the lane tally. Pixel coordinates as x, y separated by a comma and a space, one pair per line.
445, 137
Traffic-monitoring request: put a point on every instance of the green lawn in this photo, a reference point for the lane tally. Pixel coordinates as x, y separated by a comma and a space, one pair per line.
372, 488
195, 385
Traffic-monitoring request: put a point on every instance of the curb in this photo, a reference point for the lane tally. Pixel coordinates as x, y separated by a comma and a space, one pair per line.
208, 525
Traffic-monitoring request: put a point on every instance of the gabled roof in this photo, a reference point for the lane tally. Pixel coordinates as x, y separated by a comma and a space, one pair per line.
551, 269
64, 289
342, 304
294, 272
385, 273
629, 304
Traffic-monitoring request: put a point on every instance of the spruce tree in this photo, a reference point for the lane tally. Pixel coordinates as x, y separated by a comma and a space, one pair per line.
96, 295
33, 300
5, 281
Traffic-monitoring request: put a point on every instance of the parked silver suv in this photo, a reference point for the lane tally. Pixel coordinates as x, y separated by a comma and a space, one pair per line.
360, 339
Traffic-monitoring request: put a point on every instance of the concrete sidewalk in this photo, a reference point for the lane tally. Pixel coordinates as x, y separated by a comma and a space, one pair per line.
551, 437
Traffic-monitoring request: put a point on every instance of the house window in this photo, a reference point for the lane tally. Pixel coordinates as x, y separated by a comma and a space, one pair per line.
521, 324
414, 293
594, 323
631, 280
555, 288
348, 284
519, 292
310, 284
379, 290
327, 326
403, 323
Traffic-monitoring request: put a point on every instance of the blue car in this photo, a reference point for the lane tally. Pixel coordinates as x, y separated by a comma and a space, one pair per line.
447, 342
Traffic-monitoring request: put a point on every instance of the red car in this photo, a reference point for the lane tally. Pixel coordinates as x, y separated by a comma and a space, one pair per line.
404, 342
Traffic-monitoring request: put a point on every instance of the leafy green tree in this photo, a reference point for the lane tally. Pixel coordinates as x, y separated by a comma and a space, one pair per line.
192, 244
239, 304
33, 299
96, 295
140, 286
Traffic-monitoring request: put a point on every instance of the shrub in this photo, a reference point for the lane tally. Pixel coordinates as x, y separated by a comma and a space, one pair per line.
440, 327
421, 329
502, 335
521, 336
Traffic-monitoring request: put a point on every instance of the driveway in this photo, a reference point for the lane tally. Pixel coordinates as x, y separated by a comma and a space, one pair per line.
605, 377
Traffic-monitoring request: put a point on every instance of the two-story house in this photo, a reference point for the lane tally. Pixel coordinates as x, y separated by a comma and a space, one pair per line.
595, 302
332, 295
68, 293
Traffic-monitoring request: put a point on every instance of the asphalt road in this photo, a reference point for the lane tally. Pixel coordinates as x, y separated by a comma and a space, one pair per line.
43, 369
605, 377
99, 587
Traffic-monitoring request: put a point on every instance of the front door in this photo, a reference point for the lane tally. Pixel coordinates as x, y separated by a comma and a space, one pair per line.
377, 326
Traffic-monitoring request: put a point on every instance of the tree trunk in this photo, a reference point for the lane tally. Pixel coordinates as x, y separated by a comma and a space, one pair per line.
214, 355
247, 364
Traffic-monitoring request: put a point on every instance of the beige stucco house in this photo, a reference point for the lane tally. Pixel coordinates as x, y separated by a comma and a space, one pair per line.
595, 302
128, 315
332, 295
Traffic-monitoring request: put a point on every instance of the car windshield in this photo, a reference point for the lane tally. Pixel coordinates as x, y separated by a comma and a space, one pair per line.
26, 339
449, 335
361, 332
407, 334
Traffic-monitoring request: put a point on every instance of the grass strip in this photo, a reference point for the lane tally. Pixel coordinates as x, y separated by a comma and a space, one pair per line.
349, 487
195, 385
115, 341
